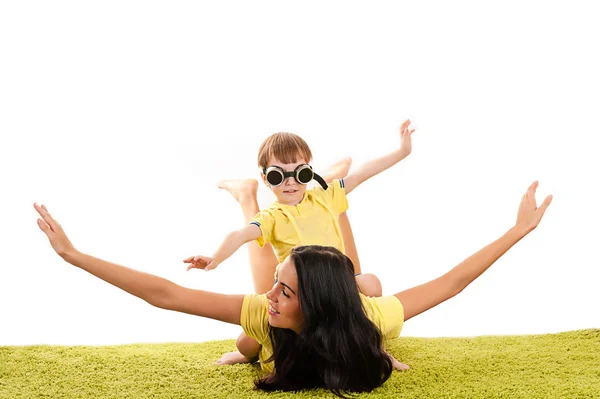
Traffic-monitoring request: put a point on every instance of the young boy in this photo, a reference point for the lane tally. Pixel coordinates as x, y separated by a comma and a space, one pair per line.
300, 216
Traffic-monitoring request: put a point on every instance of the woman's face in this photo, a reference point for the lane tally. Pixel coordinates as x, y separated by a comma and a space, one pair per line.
284, 307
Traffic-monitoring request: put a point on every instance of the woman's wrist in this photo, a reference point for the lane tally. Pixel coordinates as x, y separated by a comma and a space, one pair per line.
72, 256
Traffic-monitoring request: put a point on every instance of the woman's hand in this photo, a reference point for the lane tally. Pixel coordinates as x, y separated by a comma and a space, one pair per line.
58, 239
529, 215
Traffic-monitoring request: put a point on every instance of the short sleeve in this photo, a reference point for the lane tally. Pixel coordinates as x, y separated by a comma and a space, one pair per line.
386, 313
265, 221
254, 318
334, 196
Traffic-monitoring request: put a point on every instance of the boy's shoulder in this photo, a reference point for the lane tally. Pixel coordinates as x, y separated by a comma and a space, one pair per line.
334, 186
272, 210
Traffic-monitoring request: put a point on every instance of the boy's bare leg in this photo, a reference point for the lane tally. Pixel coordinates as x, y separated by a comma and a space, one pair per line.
368, 283
262, 260
338, 170
349, 243
262, 264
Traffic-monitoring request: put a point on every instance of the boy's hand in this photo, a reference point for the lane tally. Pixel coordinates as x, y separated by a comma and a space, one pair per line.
405, 140
201, 262
530, 215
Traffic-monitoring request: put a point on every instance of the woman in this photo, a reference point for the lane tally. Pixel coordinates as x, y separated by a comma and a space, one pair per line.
319, 334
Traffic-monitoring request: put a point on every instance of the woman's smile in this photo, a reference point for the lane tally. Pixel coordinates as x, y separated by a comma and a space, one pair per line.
272, 310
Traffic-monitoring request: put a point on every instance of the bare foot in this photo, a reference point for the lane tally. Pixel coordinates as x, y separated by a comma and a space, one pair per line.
240, 189
339, 170
232, 358
397, 365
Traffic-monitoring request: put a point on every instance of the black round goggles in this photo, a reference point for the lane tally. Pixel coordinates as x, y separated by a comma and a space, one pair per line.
303, 175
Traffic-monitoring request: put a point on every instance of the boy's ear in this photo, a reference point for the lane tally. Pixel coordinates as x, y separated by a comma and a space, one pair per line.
264, 179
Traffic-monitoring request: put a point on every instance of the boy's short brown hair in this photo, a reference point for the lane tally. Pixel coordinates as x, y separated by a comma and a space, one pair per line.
285, 147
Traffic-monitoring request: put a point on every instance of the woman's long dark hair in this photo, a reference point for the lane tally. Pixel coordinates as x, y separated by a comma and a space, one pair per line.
338, 347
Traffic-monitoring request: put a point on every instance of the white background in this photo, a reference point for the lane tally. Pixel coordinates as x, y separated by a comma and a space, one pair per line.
122, 116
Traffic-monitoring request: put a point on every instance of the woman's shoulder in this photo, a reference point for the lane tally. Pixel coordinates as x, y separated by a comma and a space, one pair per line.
386, 312
254, 318
378, 301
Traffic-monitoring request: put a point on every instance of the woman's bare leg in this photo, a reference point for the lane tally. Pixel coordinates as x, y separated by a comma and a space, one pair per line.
397, 365
247, 351
369, 284
262, 260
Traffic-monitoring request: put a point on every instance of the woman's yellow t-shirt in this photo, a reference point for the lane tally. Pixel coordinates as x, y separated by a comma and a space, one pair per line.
385, 312
314, 221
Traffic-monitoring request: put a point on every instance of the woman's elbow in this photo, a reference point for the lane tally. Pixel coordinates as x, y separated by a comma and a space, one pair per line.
163, 298
453, 285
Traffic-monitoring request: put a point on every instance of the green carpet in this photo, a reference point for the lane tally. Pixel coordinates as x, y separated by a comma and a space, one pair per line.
564, 365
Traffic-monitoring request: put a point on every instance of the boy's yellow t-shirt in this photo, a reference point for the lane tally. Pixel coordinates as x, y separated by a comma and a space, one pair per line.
385, 312
314, 221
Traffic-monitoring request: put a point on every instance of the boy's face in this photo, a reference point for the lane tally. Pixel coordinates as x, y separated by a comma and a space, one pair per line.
290, 192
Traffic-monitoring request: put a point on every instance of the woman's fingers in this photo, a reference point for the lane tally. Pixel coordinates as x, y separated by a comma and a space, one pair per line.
57, 237
44, 227
46, 217
44, 223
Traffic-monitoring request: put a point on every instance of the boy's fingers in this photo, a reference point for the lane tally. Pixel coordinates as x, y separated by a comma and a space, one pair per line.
533, 186
523, 198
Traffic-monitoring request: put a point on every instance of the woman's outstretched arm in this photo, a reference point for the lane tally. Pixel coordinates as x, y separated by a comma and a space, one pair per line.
418, 299
155, 290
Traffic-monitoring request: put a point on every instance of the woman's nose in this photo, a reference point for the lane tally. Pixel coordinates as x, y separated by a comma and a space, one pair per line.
271, 293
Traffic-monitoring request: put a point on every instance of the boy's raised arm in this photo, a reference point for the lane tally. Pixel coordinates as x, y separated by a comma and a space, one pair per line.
232, 242
376, 166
